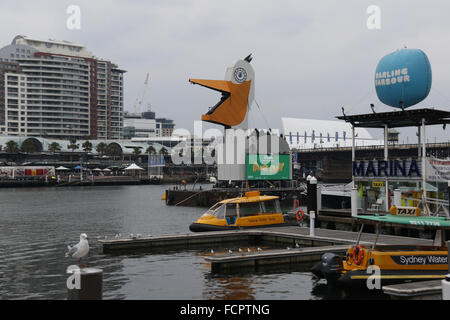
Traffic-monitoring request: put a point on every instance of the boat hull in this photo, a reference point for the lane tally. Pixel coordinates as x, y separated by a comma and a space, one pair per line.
202, 227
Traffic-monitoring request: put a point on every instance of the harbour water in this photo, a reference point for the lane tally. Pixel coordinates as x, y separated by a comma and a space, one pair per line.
37, 224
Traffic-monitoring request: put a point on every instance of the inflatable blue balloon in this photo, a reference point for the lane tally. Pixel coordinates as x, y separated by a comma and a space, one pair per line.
403, 78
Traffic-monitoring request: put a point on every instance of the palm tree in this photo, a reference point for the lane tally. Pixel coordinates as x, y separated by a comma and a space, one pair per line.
163, 151
101, 148
54, 147
73, 145
150, 150
12, 147
87, 146
136, 151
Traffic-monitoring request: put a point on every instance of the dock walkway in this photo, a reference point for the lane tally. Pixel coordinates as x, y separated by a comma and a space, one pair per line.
300, 246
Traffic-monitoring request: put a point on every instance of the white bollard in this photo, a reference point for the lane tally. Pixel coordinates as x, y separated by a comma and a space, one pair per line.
397, 197
312, 218
446, 288
354, 196
319, 198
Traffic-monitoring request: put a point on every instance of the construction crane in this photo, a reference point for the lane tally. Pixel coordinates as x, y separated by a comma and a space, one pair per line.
138, 103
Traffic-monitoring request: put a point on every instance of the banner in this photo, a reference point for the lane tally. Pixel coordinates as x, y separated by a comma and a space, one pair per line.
437, 169
27, 171
268, 167
156, 161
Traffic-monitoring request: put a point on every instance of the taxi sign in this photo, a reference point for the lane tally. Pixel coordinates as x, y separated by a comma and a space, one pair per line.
377, 184
405, 211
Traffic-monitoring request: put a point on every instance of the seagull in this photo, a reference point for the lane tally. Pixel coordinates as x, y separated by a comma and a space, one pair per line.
297, 245
80, 250
288, 248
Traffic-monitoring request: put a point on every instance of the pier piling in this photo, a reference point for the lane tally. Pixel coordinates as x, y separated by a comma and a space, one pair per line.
84, 284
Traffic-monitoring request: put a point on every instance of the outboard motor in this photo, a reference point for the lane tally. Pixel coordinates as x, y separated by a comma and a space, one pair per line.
329, 267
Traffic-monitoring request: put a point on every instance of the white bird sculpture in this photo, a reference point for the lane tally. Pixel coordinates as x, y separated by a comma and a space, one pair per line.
80, 250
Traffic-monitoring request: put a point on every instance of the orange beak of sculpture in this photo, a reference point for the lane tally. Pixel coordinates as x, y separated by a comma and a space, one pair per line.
232, 108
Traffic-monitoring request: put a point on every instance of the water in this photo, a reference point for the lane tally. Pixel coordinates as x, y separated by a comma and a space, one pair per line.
37, 224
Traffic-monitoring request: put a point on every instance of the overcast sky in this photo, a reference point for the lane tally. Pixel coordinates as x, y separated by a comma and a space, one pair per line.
310, 57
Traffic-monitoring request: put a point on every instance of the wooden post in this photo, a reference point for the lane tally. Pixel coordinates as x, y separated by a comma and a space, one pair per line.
84, 283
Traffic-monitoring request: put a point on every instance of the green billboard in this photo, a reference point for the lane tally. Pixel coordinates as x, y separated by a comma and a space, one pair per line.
268, 167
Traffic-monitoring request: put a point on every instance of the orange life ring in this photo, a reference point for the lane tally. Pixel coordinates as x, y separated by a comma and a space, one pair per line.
358, 255
297, 217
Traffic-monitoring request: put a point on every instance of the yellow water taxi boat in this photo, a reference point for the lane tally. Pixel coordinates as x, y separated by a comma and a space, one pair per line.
251, 210
389, 264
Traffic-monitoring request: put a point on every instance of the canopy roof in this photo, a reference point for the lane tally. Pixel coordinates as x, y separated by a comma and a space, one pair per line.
133, 167
434, 222
396, 119
62, 168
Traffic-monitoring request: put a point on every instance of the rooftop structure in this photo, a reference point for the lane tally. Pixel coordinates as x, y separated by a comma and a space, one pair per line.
311, 134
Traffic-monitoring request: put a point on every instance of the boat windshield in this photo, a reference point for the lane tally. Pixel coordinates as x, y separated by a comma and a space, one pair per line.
217, 210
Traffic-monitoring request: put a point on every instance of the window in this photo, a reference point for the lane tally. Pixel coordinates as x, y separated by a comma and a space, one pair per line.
272, 206
250, 209
231, 210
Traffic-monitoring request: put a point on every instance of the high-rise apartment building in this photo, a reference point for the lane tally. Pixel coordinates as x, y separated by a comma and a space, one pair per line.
59, 89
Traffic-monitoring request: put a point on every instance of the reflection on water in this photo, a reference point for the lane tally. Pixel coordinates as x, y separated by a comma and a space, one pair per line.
37, 224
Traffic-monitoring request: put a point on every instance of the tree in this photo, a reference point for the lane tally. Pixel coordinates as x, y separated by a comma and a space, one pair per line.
150, 150
29, 146
114, 150
101, 148
12, 147
54, 147
163, 151
137, 151
73, 145
87, 146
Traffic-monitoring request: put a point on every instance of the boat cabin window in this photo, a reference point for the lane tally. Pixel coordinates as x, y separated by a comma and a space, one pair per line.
231, 210
250, 209
272, 206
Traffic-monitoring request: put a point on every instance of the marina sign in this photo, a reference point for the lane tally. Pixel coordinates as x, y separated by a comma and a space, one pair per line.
396, 169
